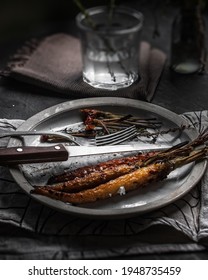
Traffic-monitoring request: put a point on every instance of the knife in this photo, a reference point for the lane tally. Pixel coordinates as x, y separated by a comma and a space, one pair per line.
59, 152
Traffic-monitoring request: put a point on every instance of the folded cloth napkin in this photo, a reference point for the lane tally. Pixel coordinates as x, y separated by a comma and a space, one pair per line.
54, 235
55, 63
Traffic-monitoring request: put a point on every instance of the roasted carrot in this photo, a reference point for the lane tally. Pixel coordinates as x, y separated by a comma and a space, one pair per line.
131, 181
139, 178
86, 170
90, 177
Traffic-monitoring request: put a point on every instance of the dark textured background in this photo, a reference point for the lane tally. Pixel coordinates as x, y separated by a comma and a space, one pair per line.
23, 20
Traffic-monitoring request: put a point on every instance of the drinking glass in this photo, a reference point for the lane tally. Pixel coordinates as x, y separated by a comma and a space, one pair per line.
110, 46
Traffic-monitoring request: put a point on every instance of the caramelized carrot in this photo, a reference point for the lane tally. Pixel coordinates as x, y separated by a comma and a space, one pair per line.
136, 179
86, 170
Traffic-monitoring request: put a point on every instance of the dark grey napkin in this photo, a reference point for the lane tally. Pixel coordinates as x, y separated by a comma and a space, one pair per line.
55, 63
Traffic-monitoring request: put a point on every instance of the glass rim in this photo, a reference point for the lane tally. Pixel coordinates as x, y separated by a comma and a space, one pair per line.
103, 9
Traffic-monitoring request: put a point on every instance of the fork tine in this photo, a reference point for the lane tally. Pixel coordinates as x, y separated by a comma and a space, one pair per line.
117, 133
123, 139
117, 137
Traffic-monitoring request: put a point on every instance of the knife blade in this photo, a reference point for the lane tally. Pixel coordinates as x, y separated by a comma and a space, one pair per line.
59, 152
75, 151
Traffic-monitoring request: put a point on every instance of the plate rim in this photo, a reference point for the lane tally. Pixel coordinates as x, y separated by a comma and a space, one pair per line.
101, 101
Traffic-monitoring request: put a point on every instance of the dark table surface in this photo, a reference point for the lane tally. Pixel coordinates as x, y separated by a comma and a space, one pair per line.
178, 93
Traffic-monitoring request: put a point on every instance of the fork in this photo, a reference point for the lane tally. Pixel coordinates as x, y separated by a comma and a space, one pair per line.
109, 139
19, 133
116, 137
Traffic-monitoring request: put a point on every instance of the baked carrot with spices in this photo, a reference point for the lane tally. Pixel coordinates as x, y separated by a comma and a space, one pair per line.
85, 170
139, 178
104, 172
92, 176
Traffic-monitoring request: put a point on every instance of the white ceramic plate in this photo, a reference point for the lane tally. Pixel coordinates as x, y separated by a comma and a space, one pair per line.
152, 197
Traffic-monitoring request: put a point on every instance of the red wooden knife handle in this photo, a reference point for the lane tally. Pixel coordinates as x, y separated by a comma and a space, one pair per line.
32, 154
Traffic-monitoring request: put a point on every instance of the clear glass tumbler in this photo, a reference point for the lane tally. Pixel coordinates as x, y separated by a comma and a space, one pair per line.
110, 46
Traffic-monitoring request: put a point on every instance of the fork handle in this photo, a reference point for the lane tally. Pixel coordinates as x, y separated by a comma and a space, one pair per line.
19, 133
32, 154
